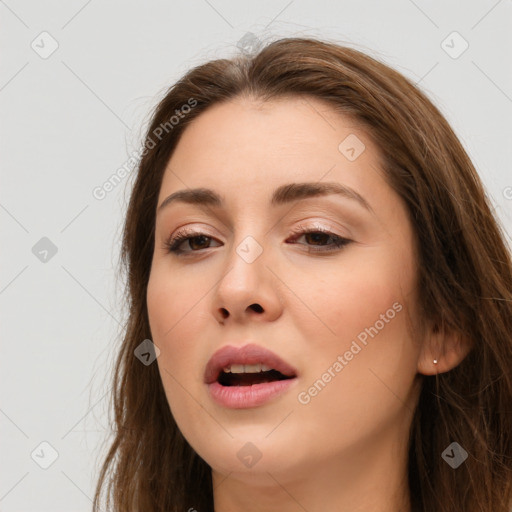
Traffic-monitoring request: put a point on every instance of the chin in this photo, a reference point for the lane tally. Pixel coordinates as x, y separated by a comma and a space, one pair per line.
251, 453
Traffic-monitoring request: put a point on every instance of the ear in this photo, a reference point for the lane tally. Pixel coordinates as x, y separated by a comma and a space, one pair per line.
446, 347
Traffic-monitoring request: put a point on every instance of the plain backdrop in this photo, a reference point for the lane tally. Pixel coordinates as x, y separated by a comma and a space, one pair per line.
78, 80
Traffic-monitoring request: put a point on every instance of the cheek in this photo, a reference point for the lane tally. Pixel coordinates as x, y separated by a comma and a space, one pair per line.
171, 300
361, 314
176, 310
173, 303
362, 383
344, 297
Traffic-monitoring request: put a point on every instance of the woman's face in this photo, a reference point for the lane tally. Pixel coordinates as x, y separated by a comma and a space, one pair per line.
336, 313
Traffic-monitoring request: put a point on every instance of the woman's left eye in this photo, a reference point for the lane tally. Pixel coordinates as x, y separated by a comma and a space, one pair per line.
317, 238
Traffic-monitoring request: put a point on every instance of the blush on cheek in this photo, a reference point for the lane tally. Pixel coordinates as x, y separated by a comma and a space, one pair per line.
166, 308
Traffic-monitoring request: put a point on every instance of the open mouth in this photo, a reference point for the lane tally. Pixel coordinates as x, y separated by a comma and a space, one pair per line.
248, 376
248, 379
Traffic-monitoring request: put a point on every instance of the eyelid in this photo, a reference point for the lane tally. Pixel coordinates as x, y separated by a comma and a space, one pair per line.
320, 225
326, 224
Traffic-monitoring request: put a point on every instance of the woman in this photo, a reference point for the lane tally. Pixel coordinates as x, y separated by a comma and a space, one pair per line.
312, 254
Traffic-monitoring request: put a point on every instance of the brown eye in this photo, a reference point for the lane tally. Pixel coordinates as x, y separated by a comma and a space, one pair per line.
192, 242
316, 238
196, 242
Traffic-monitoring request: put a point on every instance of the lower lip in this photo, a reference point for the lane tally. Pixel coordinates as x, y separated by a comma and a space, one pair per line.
241, 397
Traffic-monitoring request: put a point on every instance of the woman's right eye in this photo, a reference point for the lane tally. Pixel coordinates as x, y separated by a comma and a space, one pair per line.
194, 239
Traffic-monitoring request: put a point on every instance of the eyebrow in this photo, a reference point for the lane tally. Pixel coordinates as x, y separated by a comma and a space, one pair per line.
282, 195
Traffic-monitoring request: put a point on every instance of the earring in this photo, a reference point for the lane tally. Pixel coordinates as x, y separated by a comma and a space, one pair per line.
435, 361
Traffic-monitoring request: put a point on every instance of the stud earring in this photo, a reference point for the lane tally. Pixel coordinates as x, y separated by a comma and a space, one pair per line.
435, 361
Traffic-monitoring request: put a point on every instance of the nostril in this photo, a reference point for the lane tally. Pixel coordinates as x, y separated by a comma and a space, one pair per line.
256, 308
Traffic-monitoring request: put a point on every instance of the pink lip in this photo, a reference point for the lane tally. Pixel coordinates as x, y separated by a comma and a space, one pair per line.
238, 397
242, 397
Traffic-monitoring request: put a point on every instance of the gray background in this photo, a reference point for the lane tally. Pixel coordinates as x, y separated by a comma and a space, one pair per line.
69, 120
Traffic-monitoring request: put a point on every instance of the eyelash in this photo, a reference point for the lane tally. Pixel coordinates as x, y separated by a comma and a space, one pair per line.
173, 243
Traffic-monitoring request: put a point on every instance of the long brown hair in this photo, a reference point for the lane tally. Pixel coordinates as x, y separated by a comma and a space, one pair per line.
465, 283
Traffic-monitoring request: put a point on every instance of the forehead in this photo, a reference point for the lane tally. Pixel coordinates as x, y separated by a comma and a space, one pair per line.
251, 145
293, 125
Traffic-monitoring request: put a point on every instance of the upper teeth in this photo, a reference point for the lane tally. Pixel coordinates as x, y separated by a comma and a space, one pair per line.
246, 368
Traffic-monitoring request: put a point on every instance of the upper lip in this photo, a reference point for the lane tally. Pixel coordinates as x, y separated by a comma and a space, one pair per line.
248, 354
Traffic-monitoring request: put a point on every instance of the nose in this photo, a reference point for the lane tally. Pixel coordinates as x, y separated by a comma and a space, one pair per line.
248, 289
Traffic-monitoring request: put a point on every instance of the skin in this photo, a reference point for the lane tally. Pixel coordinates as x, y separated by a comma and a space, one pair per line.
345, 449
